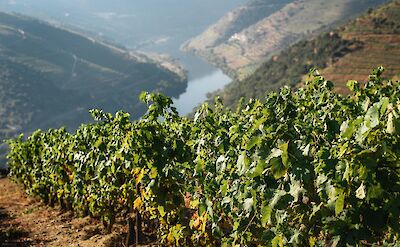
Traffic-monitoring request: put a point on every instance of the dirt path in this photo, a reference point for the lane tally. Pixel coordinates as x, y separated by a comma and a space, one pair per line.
25, 221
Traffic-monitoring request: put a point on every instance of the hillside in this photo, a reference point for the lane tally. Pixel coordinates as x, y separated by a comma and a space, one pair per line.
51, 76
247, 36
379, 33
343, 53
137, 24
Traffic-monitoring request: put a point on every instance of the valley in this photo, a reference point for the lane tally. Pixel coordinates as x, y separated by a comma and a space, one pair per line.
158, 35
114, 139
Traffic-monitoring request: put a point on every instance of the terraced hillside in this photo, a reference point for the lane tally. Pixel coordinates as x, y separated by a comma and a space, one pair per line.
249, 35
353, 49
379, 32
50, 76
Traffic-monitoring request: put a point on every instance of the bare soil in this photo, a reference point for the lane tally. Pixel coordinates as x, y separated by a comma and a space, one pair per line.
26, 221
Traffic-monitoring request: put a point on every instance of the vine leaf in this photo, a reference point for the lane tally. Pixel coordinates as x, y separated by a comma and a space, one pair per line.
360, 192
137, 203
277, 241
339, 204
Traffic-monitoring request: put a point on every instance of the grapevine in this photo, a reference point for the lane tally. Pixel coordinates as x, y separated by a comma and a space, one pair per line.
301, 168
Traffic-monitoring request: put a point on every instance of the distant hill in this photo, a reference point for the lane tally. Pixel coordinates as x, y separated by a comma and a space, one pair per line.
50, 76
348, 52
159, 26
244, 38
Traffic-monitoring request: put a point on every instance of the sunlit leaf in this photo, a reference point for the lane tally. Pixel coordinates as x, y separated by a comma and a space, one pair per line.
360, 192
277, 241
137, 203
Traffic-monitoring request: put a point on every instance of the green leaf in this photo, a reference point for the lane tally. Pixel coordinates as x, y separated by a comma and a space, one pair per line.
277, 168
375, 191
161, 210
113, 168
266, 212
312, 241
153, 173
255, 201
384, 104
143, 96
210, 209
224, 187
353, 85
372, 117
347, 129
98, 142
362, 132
306, 150
285, 155
259, 169
277, 241
339, 204
275, 153
221, 164
296, 189
199, 168
315, 210
253, 141
236, 225
139, 176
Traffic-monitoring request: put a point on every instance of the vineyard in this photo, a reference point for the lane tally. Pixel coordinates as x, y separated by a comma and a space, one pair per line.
302, 168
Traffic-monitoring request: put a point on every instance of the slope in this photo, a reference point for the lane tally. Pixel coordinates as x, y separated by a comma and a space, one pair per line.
238, 46
379, 32
355, 48
51, 76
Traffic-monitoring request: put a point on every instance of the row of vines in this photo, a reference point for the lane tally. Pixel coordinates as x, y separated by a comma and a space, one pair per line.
303, 168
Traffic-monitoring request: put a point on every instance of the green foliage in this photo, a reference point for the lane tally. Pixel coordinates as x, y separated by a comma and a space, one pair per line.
304, 168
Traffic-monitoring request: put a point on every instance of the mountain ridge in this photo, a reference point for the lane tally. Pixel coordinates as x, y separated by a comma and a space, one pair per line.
285, 24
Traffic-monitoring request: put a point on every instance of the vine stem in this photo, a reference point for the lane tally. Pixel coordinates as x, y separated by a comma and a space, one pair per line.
251, 221
138, 222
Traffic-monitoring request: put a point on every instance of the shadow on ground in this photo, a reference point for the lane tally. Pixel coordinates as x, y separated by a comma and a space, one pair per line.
10, 232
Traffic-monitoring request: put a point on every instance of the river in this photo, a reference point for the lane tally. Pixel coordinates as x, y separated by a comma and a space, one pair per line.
196, 92
203, 79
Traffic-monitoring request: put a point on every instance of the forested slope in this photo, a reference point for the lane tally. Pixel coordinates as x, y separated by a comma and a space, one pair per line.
50, 76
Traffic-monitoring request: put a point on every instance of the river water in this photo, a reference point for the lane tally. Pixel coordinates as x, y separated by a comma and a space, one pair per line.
196, 92
203, 78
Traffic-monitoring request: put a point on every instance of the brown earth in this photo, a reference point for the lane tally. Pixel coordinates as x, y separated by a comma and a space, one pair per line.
380, 47
26, 221
380, 34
